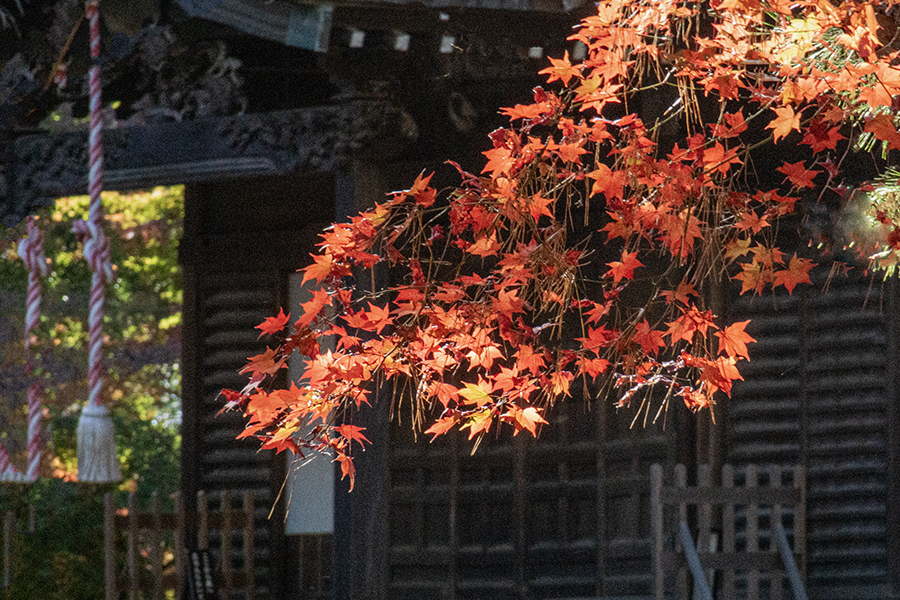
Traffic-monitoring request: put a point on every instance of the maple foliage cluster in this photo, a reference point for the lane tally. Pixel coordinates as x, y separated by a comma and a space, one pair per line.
585, 251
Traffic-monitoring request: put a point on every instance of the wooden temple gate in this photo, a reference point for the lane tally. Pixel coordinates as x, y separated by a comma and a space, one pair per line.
565, 515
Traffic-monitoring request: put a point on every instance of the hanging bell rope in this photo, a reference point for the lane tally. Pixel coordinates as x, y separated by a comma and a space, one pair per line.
97, 458
31, 249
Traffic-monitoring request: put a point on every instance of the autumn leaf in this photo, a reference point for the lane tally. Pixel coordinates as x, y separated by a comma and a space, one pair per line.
442, 426
539, 206
797, 272
611, 184
347, 468
733, 340
562, 69
485, 246
798, 174
882, 127
377, 318
527, 418
480, 422
273, 325
264, 363
750, 220
785, 122
320, 269
312, 308
624, 269
508, 303
650, 340
477, 394
753, 276
352, 433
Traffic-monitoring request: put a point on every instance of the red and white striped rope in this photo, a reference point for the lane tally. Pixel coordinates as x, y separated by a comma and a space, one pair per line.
31, 250
96, 245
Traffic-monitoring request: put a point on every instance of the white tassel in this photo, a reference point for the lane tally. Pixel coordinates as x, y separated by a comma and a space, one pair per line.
97, 458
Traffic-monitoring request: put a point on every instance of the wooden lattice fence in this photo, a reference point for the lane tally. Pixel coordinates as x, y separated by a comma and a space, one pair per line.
156, 553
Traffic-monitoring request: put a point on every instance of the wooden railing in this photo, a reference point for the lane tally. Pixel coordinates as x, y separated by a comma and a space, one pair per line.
715, 509
148, 573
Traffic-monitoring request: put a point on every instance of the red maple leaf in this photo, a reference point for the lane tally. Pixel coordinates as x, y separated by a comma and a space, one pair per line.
797, 272
352, 433
320, 269
624, 269
798, 174
443, 425
273, 325
610, 183
650, 340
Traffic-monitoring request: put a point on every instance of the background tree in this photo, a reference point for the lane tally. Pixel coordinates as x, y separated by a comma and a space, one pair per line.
142, 324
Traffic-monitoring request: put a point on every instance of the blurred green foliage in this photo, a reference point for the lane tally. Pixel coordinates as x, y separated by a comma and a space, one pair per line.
63, 558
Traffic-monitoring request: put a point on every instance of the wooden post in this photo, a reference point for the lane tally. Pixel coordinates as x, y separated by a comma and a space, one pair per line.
248, 545
728, 533
180, 545
800, 518
704, 523
202, 522
8, 525
681, 484
656, 526
109, 546
775, 585
225, 533
131, 557
156, 560
752, 535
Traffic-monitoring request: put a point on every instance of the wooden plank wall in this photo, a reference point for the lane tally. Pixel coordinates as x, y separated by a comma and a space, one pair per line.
242, 238
818, 393
566, 515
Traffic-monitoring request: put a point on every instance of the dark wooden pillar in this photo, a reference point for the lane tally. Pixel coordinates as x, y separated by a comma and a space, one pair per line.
891, 290
361, 560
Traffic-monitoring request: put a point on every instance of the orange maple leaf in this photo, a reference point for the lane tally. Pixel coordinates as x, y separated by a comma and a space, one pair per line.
347, 468
320, 269
797, 272
752, 221
562, 69
784, 123
733, 340
264, 363
527, 418
273, 325
442, 425
484, 246
610, 183
538, 205
882, 127
508, 303
624, 269
753, 276
377, 318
